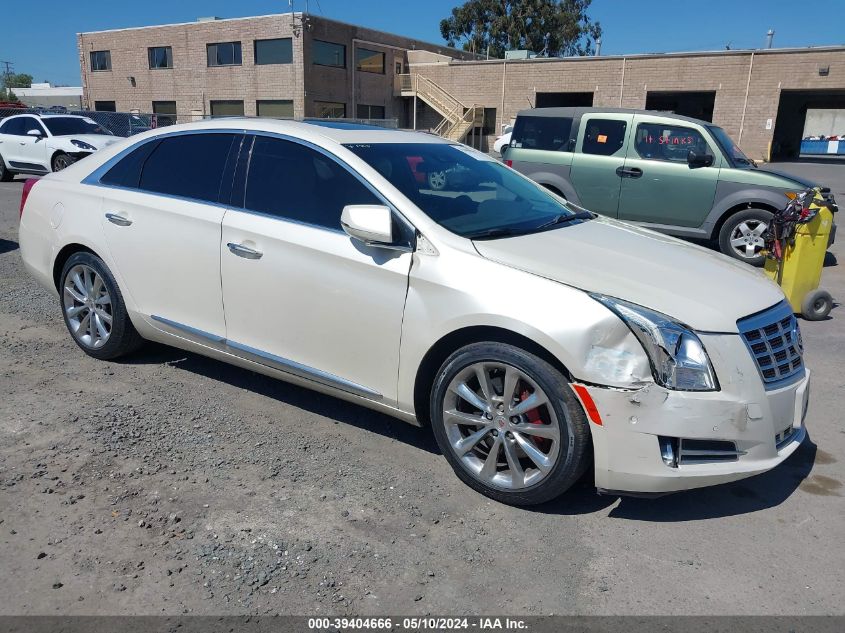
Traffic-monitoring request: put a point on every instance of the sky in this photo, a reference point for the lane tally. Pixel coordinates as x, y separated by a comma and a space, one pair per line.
40, 38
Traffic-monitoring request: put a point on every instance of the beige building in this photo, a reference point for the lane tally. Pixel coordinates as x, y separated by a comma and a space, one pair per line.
275, 65
300, 66
760, 97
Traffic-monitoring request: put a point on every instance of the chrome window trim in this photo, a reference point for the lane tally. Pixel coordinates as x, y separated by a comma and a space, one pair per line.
273, 361
95, 176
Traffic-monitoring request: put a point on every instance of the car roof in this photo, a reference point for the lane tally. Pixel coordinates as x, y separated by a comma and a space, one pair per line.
574, 111
339, 131
45, 116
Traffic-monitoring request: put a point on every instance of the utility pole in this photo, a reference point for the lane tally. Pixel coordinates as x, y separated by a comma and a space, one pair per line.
7, 75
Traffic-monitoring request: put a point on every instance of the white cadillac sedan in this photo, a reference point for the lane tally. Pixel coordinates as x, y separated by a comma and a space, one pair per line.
535, 338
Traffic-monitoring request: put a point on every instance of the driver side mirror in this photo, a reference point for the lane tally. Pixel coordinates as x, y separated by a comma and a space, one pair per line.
368, 223
695, 160
35, 132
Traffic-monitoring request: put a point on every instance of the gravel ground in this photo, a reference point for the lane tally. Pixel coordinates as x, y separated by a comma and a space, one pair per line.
170, 483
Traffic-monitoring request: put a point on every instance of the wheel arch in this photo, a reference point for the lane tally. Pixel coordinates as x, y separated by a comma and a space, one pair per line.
449, 343
55, 153
65, 254
742, 206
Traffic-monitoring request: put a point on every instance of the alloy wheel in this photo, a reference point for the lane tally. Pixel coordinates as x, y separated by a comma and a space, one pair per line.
88, 307
61, 162
747, 238
501, 425
437, 180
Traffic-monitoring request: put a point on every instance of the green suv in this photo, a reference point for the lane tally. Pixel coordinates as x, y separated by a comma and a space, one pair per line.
671, 173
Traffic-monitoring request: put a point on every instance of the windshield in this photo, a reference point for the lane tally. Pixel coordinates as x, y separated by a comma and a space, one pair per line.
68, 125
465, 191
737, 158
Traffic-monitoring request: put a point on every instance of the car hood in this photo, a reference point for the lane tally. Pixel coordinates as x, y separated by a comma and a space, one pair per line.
705, 290
806, 184
97, 140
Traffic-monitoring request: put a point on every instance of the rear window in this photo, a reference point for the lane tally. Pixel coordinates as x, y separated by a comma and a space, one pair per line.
542, 132
190, 166
604, 137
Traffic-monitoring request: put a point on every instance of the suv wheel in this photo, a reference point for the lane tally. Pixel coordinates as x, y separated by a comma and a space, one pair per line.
437, 180
741, 236
509, 424
5, 174
93, 309
61, 161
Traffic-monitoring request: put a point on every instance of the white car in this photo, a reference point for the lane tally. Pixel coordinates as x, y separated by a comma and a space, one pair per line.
534, 338
41, 143
502, 142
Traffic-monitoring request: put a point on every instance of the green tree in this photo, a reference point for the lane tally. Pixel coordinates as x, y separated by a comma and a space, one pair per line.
18, 80
553, 27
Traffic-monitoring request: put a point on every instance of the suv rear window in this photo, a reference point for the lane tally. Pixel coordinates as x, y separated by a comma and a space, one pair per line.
604, 137
542, 132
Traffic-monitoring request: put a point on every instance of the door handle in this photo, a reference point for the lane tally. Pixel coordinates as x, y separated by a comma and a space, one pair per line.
118, 219
244, 251
632, 172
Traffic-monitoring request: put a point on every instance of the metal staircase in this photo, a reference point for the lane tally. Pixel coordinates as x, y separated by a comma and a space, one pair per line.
458, 118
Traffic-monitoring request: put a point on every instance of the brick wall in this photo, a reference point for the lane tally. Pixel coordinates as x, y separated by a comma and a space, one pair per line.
512, 86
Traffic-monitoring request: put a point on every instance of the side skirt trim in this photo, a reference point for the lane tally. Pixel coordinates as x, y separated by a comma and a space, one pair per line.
275, 362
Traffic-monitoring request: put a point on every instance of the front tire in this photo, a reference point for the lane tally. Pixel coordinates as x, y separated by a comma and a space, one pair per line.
509, 424
61, 161
93, 309
741, 236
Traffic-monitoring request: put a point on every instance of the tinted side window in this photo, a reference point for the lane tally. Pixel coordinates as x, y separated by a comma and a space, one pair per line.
294, 182
542, 132
15, 127
658, 141
604, 137
190, 166
127, 171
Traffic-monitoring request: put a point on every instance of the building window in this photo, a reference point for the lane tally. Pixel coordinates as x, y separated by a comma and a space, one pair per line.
105, 106
368, 61
397, 67
160, 57
224, 54
225, 107
329, 54
100, 60
165, 112
369, 111
279, 51
278, 108
330, 110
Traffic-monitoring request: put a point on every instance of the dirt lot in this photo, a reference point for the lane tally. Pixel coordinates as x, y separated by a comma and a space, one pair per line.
170, 483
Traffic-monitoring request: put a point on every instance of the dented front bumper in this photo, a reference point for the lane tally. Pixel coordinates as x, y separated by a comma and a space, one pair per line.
765, 427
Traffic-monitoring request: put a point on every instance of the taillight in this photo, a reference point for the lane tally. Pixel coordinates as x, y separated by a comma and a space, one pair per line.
27, 187
508, 163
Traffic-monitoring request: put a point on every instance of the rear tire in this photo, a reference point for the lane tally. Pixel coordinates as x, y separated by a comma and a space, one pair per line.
5, 174
93, 308
540, 452
741, 236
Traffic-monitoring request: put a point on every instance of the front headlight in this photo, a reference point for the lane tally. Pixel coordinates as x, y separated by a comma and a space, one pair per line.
678, 358
83, 145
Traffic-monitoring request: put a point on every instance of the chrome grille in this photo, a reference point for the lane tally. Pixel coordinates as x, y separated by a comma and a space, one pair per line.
774, 340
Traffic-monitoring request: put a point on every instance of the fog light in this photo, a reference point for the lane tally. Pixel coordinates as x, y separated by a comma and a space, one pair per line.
669, 450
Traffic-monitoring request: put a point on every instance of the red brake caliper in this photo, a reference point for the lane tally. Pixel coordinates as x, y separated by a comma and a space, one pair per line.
533, 417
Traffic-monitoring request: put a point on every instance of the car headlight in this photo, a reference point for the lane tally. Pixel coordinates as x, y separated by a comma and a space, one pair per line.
83, 145
678, 358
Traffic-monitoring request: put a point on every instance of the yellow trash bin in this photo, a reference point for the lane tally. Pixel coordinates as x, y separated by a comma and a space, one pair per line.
799, 270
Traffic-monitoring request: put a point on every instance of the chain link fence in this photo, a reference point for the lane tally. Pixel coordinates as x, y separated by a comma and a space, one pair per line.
131, 123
